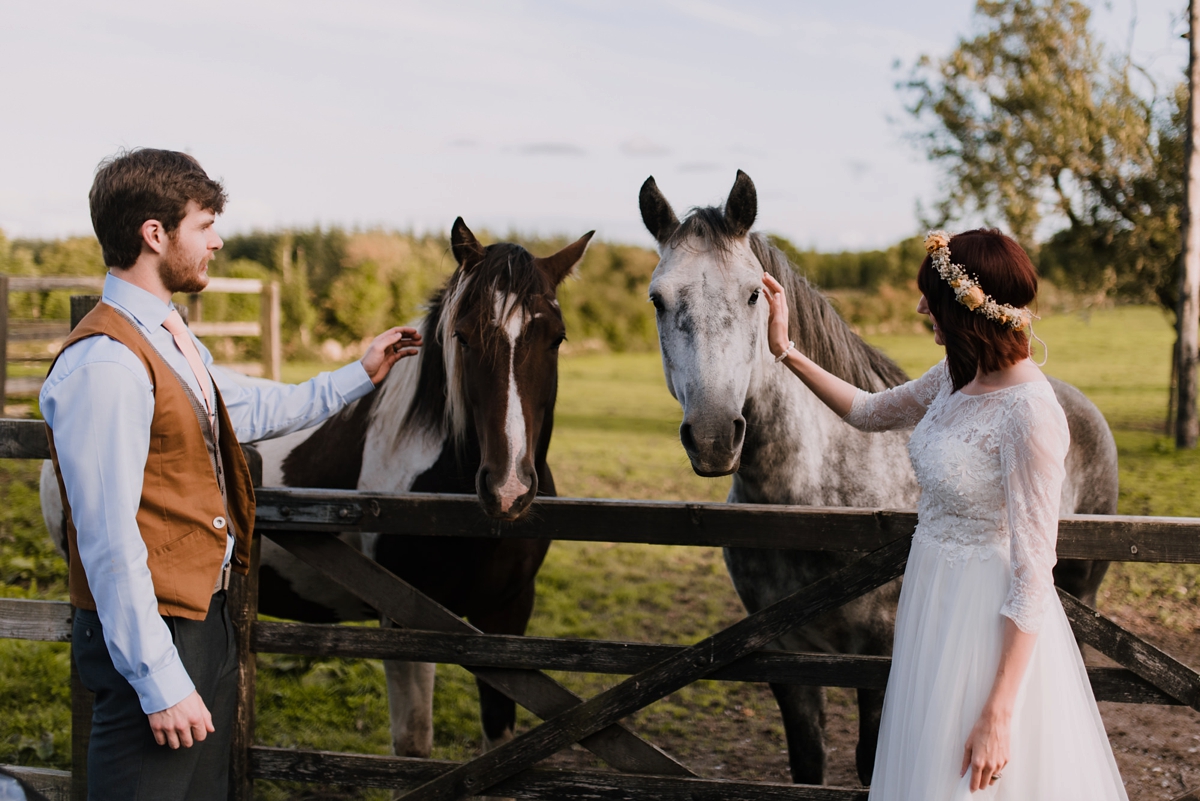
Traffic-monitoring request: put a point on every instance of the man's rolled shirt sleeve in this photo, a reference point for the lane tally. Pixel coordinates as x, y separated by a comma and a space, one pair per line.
262, 410
100, 411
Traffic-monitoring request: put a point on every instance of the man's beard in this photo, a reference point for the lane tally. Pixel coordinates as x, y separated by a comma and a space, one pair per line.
178, 275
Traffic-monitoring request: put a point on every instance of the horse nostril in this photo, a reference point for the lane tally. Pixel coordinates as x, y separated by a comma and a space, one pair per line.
685, 436
739, 433
482, 479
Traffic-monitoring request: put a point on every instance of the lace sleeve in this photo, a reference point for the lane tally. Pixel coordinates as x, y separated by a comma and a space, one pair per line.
898, 407
1033, 448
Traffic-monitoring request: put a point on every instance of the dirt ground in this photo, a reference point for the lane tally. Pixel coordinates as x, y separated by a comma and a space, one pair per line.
1157, 747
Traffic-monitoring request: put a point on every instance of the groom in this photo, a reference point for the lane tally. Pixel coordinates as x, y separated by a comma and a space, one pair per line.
159, 504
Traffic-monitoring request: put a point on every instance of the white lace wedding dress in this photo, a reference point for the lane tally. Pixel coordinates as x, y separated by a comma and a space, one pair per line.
991, 470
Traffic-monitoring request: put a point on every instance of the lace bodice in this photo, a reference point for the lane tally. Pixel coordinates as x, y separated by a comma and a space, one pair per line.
990, 468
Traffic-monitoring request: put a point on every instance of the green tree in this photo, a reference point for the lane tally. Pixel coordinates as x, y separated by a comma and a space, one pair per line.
1032, 121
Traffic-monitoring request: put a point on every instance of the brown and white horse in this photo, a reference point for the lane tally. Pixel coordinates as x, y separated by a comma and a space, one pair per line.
473, 413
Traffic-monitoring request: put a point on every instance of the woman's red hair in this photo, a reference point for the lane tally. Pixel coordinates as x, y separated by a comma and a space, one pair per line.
973, 342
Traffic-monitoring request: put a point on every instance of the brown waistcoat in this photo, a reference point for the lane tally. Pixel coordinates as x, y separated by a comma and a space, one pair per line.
181, 496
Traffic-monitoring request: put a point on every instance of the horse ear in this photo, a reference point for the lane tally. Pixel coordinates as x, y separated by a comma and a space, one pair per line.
559, 265
467, 250
742, 206
657, 215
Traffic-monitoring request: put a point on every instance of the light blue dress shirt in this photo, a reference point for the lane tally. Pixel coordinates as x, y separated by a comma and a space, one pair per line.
99, 401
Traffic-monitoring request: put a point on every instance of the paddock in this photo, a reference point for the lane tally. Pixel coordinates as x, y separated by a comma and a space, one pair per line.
426, 632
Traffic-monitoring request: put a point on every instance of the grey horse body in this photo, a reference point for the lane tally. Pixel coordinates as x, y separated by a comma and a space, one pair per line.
747, 416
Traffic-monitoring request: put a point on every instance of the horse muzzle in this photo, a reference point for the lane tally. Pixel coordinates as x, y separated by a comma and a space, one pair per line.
714, 449
506, 497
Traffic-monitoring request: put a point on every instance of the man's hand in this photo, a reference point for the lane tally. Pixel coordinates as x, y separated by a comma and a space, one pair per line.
183, 723
388, 348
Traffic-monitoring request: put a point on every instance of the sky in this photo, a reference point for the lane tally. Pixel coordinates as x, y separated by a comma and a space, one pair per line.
543, 116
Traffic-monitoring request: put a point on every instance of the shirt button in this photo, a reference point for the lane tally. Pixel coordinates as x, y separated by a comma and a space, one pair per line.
218, 522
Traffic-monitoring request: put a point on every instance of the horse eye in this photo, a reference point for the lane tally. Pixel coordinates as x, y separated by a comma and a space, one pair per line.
658, 303
462, 339
558, 341
754, 297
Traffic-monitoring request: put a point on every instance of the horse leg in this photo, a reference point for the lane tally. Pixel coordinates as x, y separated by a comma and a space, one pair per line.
803, 710
870, 710
1080, 577
498, 712
410, 704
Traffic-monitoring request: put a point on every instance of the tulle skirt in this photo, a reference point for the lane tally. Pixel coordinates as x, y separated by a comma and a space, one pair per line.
949, 633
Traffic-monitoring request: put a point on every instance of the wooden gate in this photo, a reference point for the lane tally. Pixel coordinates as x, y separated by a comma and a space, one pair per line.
306, 522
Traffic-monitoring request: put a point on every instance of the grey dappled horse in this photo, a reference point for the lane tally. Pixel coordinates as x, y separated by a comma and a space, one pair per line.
745, 415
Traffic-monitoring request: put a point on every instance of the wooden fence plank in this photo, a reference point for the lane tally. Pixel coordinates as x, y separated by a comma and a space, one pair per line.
270, 316
37, 330
234, 286
1128, 650
3, 341
534, 690
243, 614
23, 439
542, 785
55, 785
625, 658
52, 283
688, 665
48, 621
1106, 537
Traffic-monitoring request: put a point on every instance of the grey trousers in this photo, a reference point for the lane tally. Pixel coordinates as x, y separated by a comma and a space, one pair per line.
124, 761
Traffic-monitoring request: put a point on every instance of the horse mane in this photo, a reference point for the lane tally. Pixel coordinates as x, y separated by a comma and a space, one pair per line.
506, 269
820, 332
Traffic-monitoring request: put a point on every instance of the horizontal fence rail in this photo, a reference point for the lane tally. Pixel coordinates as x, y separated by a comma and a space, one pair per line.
55, 283
1115, 538
267, 328
806, 528
622, 658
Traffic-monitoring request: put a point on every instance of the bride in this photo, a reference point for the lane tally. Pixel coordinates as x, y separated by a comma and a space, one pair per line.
987, 690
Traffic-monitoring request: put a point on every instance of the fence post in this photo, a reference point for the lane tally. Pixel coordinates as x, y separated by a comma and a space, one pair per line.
243, 613
272, 346
195, 307
3, 341
81, 699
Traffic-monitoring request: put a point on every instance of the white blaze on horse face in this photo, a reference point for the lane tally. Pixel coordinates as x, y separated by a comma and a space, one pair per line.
510, 318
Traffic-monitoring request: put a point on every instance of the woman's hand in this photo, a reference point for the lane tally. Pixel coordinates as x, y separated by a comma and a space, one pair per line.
986, 752
388, 348
777, 323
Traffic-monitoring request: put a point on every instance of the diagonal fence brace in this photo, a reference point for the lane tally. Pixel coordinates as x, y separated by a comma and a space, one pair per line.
690, 664
408, 607
1130, 651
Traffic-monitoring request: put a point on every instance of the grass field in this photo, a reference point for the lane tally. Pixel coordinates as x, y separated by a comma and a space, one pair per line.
615, 436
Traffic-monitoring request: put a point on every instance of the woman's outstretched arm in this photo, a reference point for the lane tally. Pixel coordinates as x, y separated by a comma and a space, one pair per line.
837, 394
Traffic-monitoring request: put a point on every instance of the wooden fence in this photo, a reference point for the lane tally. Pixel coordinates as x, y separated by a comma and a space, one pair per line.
306, 522
24, 330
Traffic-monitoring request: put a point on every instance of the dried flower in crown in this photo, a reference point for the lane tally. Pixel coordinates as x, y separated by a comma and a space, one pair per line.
967, 290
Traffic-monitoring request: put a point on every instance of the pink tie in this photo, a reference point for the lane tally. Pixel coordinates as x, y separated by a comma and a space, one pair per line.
183, 341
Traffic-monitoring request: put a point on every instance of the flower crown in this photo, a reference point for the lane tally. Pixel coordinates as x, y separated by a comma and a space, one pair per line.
967, 290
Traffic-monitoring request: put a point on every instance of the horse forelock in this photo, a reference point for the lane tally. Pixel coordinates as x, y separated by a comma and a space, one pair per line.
818, 330
704, 228
507, 272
